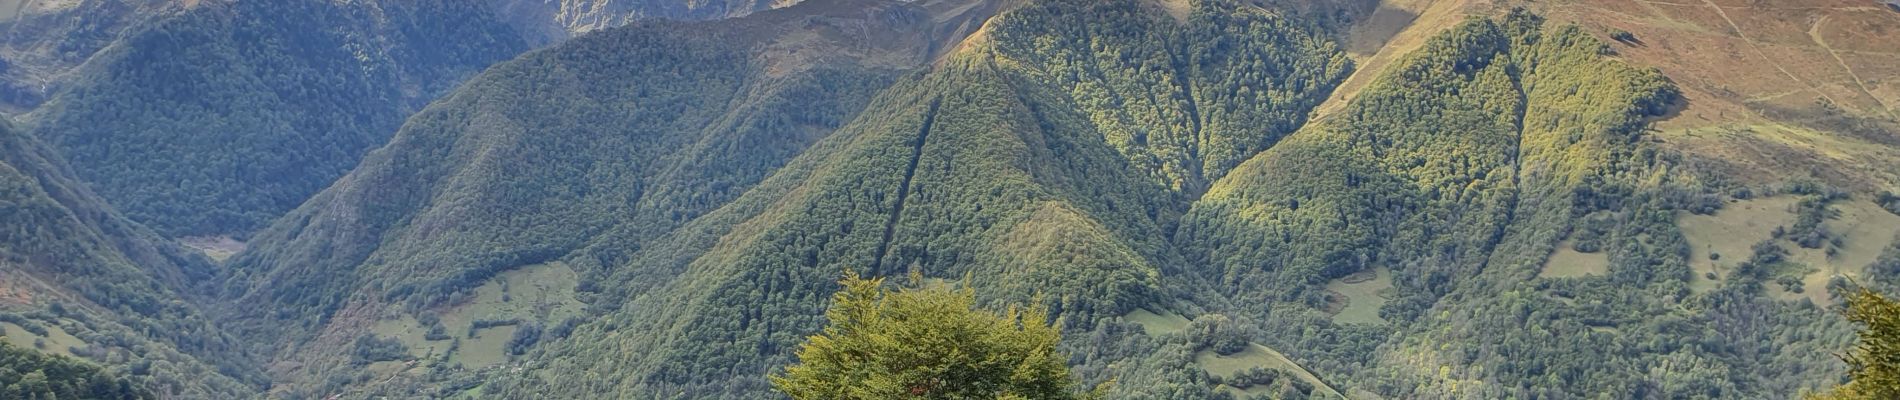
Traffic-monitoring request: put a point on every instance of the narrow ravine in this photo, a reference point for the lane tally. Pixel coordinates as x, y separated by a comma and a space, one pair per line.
903, 189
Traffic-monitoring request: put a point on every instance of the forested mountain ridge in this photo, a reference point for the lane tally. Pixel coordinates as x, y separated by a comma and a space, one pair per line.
45, 41
1212, 199
1062, 149
95, 284
304, 88
641, 129
1118, 159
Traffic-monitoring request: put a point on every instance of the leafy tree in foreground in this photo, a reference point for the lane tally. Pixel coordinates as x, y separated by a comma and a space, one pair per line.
1876, 360
926, 343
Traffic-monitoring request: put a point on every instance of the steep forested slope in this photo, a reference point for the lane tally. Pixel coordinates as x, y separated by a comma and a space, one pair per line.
218, 118
612, 139
1184, 100
46, 40
662, 210
75, 272
1458, 173
982, 167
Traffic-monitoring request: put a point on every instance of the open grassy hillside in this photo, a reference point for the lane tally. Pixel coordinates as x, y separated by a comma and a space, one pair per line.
1773, 89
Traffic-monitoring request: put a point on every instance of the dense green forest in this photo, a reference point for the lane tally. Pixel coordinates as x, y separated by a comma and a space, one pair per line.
73, 265
634, 133
31, 375
300, 91
1152, 189
1101, 158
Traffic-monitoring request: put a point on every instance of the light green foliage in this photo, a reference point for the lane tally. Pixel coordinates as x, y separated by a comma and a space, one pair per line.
1184, 102
1875, 360
975, 168
926, 343
708, 197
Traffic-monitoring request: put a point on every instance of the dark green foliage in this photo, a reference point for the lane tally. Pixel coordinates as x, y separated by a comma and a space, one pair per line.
220, 118
1887, 200
133, 286
1808, 232
525, 336
370, 348
25, 374
475, 328
1624, 36
1886, 269
1093, 157
1257, 377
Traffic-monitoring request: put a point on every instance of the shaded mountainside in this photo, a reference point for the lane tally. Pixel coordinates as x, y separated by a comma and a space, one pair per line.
301, 90
96, 285
462, 193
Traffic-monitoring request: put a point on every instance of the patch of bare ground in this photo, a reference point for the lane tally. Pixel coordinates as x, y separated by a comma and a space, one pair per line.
1773, 88
219, 248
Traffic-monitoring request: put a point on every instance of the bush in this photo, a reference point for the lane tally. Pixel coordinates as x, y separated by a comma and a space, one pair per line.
1624, 36
1789, 283
480, 324
370, 348
1255, 376
525, 337
437, 332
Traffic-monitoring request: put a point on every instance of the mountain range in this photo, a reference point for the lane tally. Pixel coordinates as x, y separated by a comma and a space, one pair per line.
1214, 198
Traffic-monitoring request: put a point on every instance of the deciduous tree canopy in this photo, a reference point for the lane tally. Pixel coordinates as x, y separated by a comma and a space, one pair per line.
927, 343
